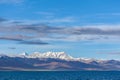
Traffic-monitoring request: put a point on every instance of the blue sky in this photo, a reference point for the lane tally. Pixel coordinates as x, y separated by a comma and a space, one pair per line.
81, 28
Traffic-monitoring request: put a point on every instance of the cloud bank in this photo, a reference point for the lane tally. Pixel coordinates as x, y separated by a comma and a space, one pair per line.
36, 33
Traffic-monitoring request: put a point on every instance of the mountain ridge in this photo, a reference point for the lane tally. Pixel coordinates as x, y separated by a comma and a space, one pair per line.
54, 61
59, 55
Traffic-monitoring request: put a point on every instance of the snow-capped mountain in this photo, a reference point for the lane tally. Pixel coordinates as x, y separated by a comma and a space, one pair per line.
56, 55
54, 61
53, 55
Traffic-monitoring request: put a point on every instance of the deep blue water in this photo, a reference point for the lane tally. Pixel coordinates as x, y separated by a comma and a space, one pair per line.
59, 75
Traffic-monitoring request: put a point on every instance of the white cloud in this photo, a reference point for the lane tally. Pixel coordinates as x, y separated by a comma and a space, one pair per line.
105, 33
60, 20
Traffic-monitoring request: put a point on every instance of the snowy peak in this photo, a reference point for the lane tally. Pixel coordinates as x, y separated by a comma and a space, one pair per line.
59, 55
55, 55
24, 54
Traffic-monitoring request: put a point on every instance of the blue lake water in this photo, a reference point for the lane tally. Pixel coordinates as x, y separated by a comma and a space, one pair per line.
59, 75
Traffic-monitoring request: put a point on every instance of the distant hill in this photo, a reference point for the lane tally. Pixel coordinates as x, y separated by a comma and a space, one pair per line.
58, 61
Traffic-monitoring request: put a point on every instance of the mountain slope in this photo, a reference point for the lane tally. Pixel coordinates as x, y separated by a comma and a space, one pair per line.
54, 61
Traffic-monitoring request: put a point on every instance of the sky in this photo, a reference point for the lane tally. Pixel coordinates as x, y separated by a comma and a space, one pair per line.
80, 28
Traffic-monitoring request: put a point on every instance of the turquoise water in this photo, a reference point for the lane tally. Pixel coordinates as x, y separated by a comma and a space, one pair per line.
59, 75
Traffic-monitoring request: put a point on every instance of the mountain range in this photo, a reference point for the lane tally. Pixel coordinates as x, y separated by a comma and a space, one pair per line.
54, 61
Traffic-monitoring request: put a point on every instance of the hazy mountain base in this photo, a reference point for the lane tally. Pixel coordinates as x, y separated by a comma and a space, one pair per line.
50, 64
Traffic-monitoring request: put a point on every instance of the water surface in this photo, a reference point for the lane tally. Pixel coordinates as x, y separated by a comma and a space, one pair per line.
59, 75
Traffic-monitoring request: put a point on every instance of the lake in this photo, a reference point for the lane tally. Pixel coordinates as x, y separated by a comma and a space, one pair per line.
59, 75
